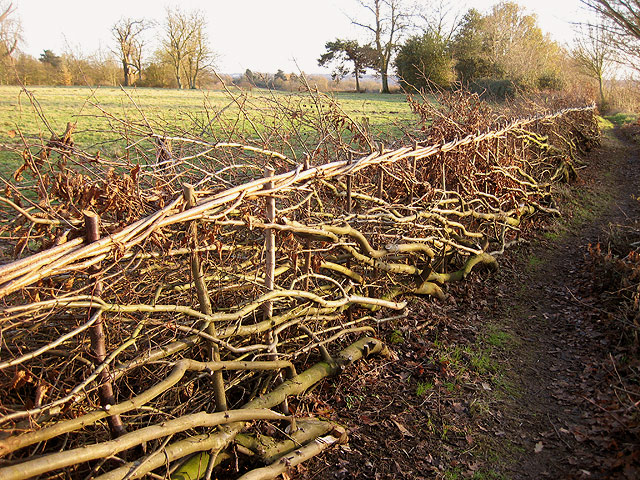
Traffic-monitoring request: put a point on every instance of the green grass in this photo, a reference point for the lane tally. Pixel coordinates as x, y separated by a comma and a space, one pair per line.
498, 338
468, 359
605, 124
381, 110
505, 386
453, 474
552, 236
353, 401
396, 337
457, 473
63, 104
423, 387
534, 262
98, 110
622, 118
481, 362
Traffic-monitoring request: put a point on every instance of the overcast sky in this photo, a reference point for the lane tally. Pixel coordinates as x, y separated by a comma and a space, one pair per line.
263, 35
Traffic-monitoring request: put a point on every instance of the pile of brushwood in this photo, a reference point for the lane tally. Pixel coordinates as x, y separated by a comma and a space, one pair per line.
162, 306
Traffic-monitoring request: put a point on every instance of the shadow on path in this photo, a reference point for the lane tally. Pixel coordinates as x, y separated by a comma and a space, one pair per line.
516, 375
572, 419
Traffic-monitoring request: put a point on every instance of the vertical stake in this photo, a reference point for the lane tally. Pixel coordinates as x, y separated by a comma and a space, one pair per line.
307, 245
204, 300
349, 202
349, 208
414, 169
189, 195
269, 243
97, 333
381, 174
269, 274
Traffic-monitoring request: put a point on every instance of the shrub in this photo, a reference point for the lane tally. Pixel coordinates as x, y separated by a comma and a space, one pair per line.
493, 89
550, 80
424, 61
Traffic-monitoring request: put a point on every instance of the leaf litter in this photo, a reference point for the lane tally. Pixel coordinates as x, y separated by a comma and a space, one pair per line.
528, 373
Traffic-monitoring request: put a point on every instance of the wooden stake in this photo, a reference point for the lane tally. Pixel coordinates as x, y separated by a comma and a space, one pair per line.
381, 175
414, 168
196, 268
349, 200
269, 274
380, 182
204, 300
349, 209
97, 334
269, 244
307, 244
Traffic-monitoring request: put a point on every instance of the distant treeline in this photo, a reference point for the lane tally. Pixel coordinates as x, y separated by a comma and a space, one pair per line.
101, 69
497, 53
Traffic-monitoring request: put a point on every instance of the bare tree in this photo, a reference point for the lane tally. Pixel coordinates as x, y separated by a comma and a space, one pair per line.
185, 45
198, 54
136, 54
177, 37
128, 36
10, 31
622, 21
390, 20
442, 19
516, 45
595, 53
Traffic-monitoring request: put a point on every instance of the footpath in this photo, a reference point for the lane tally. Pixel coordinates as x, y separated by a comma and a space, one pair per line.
527, 373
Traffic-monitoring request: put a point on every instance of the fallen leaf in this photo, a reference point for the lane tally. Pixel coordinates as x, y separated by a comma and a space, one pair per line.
367, 420
403, 429
538, 448
579, 436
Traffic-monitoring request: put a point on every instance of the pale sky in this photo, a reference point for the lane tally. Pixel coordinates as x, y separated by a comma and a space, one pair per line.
263, 35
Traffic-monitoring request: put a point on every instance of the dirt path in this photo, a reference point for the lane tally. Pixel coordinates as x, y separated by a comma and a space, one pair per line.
569, 414
519, 375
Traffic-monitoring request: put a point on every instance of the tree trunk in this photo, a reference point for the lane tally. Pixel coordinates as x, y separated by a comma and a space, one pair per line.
357, 82
127, 73
602, 99
385, 82
384, 68
178, 78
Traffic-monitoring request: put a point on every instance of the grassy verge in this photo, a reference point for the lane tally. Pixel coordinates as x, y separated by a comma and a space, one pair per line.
622, 118
485, 374
581, 204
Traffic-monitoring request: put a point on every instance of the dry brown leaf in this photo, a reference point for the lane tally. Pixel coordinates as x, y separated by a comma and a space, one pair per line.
402, 428
20, 378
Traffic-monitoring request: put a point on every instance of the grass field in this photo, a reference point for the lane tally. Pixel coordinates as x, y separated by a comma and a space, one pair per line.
177, 108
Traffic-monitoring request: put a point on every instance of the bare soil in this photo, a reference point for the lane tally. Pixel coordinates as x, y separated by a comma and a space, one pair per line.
526, 373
